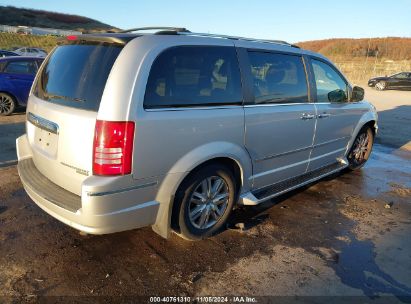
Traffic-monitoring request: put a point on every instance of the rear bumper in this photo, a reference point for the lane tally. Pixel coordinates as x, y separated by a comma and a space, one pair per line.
91, 213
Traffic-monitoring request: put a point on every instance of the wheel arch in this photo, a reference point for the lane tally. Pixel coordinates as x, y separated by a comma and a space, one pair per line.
368, 119
16, 100
230, 163
230, 155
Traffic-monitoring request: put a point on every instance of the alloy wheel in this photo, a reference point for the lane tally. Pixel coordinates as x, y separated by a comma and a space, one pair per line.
208, 202
360, 151
6, 104
380, 86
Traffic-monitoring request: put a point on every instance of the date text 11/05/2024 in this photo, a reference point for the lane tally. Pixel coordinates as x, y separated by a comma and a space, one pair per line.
204, 299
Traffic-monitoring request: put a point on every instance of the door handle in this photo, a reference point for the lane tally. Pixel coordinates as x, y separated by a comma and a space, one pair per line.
306, 116
324, 115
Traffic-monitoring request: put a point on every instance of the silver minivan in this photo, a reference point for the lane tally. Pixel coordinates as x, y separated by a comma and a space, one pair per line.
174, 129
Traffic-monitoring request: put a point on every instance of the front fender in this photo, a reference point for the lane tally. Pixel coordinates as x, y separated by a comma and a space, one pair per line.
371, 115
185, 165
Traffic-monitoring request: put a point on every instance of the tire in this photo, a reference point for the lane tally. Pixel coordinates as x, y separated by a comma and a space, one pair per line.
7, 104
200, 213
381, 85
361, 148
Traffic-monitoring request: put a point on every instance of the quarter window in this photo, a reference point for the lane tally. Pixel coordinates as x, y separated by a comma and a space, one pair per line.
278, 78
194, 76
331, 87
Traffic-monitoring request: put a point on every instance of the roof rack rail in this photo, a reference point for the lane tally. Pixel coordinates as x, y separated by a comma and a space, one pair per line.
160, 28
239, 38
184, 31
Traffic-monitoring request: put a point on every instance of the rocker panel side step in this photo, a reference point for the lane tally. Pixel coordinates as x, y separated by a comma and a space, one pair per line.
260, 195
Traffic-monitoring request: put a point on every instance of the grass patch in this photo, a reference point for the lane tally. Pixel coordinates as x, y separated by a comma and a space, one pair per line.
359, 70
10, 40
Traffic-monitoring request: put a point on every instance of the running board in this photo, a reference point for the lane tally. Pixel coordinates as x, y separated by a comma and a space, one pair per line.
258, 196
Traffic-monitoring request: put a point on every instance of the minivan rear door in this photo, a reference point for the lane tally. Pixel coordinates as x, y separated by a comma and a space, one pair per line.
280, 122
62, 110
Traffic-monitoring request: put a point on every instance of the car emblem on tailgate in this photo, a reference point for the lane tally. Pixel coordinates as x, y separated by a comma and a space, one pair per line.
78, 170
42, 123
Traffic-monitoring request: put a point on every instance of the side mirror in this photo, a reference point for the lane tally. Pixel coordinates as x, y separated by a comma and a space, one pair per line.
357, 94
337, 96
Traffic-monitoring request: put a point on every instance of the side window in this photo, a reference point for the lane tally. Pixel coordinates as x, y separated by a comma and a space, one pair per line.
331, 87
278, 78
401, 76
21, 67
194, 76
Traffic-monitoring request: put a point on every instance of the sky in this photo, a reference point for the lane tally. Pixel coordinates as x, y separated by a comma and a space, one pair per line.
291, 20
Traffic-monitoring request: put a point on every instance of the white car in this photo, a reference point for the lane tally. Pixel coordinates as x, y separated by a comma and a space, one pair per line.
29, 51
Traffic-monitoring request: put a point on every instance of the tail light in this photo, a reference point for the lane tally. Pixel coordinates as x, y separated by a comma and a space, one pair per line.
113, 147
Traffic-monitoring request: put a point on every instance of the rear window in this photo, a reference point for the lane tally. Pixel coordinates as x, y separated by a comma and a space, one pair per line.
189, 76
75, 75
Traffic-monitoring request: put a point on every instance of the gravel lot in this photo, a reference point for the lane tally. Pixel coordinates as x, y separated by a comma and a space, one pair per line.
343, 236
394, 109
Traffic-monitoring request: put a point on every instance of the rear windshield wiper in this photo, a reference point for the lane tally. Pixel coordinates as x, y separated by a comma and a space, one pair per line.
54, 96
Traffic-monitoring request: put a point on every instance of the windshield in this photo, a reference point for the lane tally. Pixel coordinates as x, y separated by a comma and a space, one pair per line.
75, 75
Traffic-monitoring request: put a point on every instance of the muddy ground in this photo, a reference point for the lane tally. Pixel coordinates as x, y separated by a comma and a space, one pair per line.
348, 235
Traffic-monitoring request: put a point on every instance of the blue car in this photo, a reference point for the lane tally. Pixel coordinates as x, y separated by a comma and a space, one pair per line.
16, 76
4, 53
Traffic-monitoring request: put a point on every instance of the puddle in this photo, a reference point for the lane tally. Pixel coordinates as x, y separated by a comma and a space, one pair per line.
357, 267
386, 166
389, 158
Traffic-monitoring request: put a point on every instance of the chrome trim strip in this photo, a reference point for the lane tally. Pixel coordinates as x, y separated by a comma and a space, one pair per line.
279, 169
42, 123
122, 190
194, 108
227, 106
283, 154
277, 104
330, 141
330, 103
301, 149
328, 154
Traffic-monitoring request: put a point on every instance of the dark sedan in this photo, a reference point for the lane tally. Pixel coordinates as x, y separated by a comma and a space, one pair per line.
397, 81
16, 76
